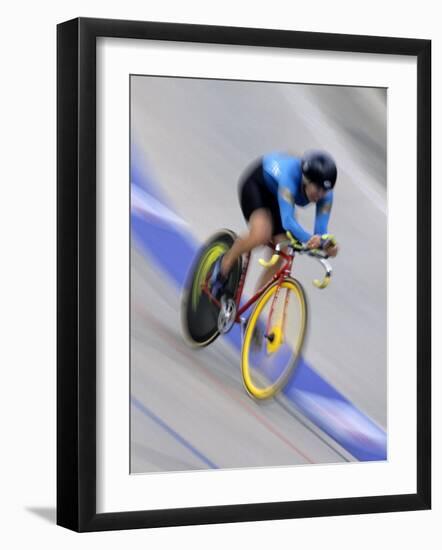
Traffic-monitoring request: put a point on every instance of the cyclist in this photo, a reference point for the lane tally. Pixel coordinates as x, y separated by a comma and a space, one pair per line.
269, 194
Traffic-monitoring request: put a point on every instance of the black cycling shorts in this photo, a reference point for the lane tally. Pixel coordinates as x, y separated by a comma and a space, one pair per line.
254, 194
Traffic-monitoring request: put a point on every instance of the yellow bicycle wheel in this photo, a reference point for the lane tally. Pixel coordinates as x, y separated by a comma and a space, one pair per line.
274, 338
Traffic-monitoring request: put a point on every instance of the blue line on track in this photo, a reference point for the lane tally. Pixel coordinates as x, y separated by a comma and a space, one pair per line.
147, 412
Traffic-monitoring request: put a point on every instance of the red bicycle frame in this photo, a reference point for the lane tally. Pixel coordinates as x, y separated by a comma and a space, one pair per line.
280, 275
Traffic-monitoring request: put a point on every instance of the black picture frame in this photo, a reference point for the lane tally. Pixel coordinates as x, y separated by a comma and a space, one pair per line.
77, 286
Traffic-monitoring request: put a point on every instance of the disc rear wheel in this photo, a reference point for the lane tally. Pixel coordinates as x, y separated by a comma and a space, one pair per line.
199, 313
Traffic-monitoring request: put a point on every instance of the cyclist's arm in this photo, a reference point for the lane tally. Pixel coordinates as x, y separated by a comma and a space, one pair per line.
286, 203
323, 209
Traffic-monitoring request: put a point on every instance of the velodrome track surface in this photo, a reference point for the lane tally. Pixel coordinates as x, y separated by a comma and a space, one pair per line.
193, 139
189, 408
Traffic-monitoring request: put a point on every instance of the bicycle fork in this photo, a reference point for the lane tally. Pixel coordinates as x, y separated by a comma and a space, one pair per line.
270, 336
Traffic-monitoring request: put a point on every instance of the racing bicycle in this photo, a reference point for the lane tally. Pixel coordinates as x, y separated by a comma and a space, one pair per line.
274, 332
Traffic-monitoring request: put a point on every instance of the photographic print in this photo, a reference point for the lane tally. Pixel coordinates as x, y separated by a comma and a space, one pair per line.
258, 274
239, 336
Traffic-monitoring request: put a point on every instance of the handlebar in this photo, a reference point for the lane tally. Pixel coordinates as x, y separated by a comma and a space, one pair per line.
300, 248
271, 262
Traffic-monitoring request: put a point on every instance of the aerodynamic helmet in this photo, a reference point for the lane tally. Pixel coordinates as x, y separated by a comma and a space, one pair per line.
320, 168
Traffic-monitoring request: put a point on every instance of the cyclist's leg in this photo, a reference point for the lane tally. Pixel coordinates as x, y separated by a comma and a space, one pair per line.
260, 233
278, 233
269, 272
254, 200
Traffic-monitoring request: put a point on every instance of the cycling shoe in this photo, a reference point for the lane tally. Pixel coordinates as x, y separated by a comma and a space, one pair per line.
218, 281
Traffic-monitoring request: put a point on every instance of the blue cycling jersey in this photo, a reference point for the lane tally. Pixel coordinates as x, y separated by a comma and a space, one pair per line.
283, 177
